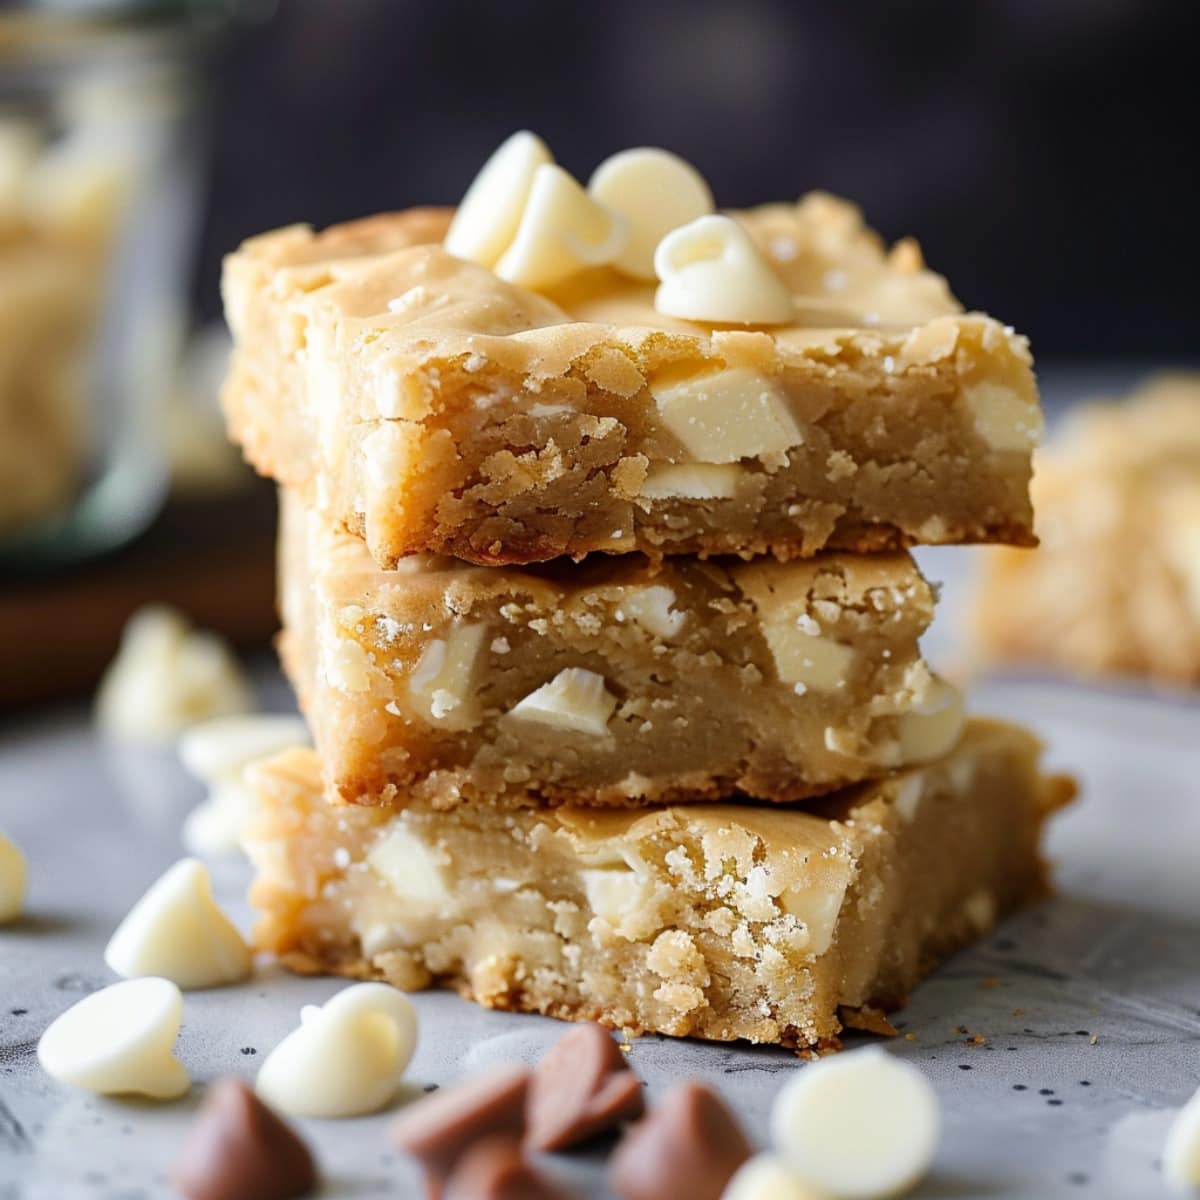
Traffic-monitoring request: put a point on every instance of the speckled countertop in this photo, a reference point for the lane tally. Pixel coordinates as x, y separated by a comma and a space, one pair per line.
1089, 1004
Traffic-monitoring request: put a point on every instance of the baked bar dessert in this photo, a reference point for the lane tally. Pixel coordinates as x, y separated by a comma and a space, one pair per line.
719, 921
1115, 587
612, 681
430, 406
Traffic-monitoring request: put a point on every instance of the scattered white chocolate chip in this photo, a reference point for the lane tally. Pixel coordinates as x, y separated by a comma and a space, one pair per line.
14, 878
179, 932
167, 676
931, 728
817, 662
217, 753
346, 1058
118, 1041
655, 192
770, 1177
861, 1125
651, 608
692, 481
440, 685
1003, 419
562, 231
575, 699
712, 271
489, 214
1181, 1154
727, 416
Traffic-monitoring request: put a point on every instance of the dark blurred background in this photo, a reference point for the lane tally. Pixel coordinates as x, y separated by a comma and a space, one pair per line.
1044, 151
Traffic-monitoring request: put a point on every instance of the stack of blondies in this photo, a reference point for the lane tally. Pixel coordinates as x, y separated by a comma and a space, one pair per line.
595, 594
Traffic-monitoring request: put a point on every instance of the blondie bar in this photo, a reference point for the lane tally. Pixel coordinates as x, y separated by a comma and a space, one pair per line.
430, 406
1115, 587
612, 681
719, 921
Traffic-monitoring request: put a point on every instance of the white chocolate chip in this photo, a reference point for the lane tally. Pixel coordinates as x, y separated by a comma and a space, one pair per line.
712, 271
409, 868
655, 192
167, 676
489, 214
346, 1058
1003, 419
178, 931
933, 726
440, 686
909, 790
650, 607
769, 1177
861, 1125
118, 1041
345, 665
727, 416
14, 878
562, 231
817, 905
819, 663
692, 481
575, 699
615, 894
1181, 1154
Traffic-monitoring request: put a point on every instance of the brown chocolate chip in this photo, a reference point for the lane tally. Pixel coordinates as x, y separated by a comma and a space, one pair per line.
438, 1129
687, 1149
582, 1087
493, 1169
237, 1147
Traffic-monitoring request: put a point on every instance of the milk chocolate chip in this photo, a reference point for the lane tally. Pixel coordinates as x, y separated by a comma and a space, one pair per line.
688, 1148
237, 1147
493, 1169
438, 1129
582, 1087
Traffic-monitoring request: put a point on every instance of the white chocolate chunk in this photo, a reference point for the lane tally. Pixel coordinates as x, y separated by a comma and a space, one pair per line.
346, 666
1181, 1154
860, 1125
615, 894
1002, 418
408, 867
488, 215
727, 416
770, 1177
14, 879
817, 662
575, 699
655, 192
118, 1041
817, 905
178, 931
692, 481
440, 686
167, 676
712, 271
562, 231
651, 608
346, 1058
933, 726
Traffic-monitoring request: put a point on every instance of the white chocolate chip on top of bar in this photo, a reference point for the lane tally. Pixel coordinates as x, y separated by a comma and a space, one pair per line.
712, 271
489, 214
655, 192
575, 700
562, 231
1003, 419
728, 416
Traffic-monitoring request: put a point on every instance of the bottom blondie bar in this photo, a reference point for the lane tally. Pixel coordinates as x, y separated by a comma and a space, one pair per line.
719, 921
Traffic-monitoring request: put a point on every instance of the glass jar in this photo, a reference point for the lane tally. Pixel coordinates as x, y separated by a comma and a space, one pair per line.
100, 165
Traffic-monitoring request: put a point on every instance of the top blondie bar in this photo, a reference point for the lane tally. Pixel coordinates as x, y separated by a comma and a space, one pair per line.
821, 391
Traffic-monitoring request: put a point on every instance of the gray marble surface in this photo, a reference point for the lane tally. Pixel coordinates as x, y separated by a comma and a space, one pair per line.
1090, 1003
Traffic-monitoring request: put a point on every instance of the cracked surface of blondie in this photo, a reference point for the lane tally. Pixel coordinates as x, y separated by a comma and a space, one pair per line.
431, 407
